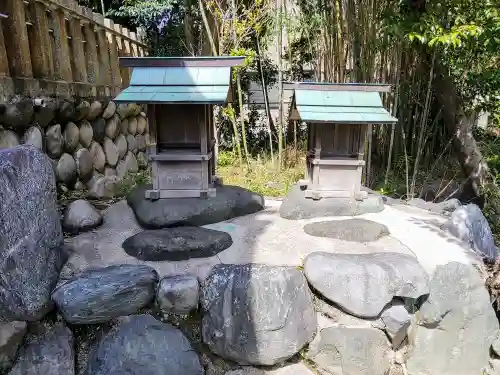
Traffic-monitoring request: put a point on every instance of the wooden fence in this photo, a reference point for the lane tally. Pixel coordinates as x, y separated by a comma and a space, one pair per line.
56, 47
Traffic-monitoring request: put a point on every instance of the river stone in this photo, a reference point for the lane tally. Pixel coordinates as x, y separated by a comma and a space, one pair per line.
98, 156
81, 216
86, 133
71, 137
358, 230
66, 169
125, 110
99, 129
66, 112
455, 326
141, 142
17, 114
113, 127
108, 171
142, 160
121, 170
30, 234
11, 337
111, 152
54, 141
174, 244
45, 113
229, 202
131, 143
362, 284
178, 294
95, 111
81, 110
158, 349
103, 186
8, 139
99, 295
142, 125
33, 136
296, 206
84, 164
350, 351
257, 314
131, 163
48, 354
124, 126
109, 111
470, 226
121, 145
132, 125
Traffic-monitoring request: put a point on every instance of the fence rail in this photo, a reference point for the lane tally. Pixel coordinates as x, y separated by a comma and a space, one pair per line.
56, 47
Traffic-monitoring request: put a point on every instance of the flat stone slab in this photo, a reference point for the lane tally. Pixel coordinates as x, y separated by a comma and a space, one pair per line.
358, 230
174, 244
229, 202
296, 206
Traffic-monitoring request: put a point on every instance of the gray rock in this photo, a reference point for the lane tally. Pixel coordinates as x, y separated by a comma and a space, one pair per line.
99, 295
66, 169
109, 111
71, 137
111, 152
79, 186
84, 164
51, 353
33, 136
296, 206
108, 171
142, 160
142, 125
455, 326
175, 244
99, 129
350, 351
45, 113
81, 111
86, 133
396, 321
131, 143
229, 202
17, 114
125, 110
66, 112
124, 126
141, 142
178, 294
158, 349
30, 234
362, 284
340, 317
81, 216
113, 127
95, 111
493, 367
103, 186
8, 139
121, 145
496, 345
257, 314
131, 163
98, 156
470, 226
121, 170
358, 230
11, 337
54, 141
448, 206
132, 126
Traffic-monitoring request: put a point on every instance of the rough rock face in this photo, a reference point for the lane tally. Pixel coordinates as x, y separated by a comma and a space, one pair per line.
455, 326
178, 294
176, 244
296, 206
358, 230
257, 314
362, 284
51, 353
11, 336
8, 139
31, 254
350, 351
81, 216
157, 349
469, 225
34, 137
396, 320
99, 295
230, 202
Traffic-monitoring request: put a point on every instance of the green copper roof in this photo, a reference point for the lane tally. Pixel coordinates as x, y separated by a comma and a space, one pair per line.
179, 80
339, 106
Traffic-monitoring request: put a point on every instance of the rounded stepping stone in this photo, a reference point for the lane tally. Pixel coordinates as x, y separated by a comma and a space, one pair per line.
174, 244
358, 230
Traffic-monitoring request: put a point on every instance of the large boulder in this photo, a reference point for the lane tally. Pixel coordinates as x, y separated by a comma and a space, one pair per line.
470, 226
30, 234
99, 295
350, 351
257, 314
81, 216
144, 346
50, 353
363, 284
11, 337
229, 202
456, 326
176, 244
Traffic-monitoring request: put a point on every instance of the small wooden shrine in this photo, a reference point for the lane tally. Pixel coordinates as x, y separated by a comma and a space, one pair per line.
337, 116
180, 94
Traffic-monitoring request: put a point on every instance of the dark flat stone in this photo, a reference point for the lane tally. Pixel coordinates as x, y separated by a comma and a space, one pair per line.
230, 202
358, 230
174, 244
296, 206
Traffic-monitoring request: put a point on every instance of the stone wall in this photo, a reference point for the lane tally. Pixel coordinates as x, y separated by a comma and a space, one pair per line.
93, 144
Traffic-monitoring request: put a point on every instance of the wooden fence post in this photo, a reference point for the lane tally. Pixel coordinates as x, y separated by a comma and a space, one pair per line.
4, 63
62, 58
40, 44
79, 65
113, 56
